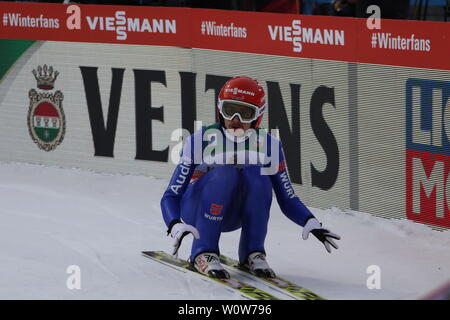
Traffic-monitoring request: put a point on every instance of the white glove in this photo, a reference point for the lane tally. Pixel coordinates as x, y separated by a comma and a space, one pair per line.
178, 232
324, 235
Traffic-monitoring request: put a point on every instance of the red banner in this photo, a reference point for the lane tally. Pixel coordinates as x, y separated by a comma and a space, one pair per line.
397, 42
405, 43
277, 34
96, 23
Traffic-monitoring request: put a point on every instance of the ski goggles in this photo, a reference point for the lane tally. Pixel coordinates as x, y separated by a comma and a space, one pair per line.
245, 111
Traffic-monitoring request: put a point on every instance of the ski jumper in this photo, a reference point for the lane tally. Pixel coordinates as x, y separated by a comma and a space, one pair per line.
222, 197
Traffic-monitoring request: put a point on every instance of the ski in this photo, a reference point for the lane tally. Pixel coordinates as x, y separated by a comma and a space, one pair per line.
246, 289
284, 285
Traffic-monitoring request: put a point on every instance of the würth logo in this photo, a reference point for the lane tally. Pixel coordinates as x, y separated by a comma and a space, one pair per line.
216, 209
46, 119
299, 35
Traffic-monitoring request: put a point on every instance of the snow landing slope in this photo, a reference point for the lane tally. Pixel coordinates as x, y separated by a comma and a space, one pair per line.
51, 218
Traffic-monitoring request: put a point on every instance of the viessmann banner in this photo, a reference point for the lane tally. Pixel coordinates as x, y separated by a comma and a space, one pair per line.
404, 43
363, 114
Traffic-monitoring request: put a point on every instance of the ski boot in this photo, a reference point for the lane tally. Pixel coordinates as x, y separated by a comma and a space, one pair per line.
208, 263
256, 263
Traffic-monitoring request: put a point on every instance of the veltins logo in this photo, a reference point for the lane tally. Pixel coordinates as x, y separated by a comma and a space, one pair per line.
299, 35
428, 151
46, 119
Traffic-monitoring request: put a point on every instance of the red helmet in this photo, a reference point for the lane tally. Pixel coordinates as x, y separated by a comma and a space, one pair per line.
241, 93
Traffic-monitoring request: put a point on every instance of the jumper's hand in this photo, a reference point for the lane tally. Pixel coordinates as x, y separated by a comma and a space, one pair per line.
324, 235
178, 232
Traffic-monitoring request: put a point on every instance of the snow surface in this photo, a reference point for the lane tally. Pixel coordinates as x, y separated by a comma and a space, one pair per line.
51, 218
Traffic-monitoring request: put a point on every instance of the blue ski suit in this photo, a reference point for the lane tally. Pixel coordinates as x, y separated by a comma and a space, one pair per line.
222, 197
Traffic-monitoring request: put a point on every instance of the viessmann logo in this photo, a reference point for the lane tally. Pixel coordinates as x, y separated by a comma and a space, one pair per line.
122, 24
298, 35
236, 91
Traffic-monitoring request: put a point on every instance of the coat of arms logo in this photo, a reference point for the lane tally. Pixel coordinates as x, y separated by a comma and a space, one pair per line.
46, 119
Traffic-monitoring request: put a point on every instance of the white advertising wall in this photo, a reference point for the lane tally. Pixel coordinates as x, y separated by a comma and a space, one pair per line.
343, 125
